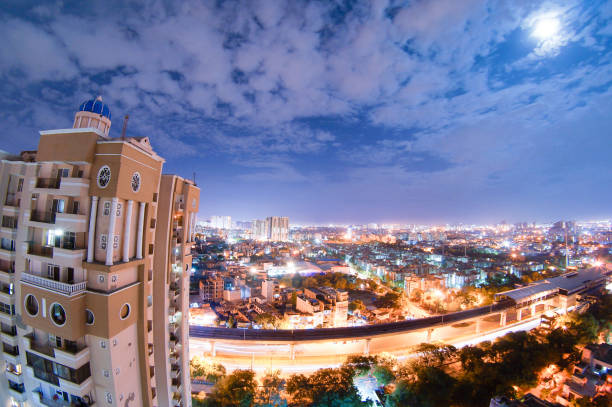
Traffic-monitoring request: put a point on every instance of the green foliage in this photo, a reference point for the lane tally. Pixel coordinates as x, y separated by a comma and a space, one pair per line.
269, 394
360, 365
389, 300
235, 390
268, 321
356, 305
203, 368
325, 387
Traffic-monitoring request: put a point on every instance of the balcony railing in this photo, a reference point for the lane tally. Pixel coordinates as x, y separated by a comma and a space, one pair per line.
42, 216
52, 183
64, 288
11, 200
40, 250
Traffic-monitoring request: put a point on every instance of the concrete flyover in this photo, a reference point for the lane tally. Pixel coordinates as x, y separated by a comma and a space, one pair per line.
298, 349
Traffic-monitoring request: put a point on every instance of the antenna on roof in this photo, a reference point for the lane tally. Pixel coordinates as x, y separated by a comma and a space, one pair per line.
125, 121
194, 182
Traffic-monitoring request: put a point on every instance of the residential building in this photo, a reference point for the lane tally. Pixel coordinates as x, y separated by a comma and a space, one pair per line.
278, 228
221, 222
178, 205
77, 268
270, 289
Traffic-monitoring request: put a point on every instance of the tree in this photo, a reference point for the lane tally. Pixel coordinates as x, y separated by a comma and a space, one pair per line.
360, 365
236, 389
200, 367
356, 305
298, 387
270, 390
389, 300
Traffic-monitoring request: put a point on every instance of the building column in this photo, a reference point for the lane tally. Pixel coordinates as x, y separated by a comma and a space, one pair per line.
127, 231
193, 225
141, 214
503, 316
111, 232
91, 238
366, 347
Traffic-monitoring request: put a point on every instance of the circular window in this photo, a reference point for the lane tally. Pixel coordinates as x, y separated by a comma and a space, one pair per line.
31, 305
125, 311
58, 315
104, 176
136, 182
89, 317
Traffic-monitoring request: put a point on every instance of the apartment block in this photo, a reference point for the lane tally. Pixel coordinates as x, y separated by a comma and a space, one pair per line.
77, 270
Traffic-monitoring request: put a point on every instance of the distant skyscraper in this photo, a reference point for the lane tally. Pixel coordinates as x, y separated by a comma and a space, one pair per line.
259, 230
221, 222
278, 228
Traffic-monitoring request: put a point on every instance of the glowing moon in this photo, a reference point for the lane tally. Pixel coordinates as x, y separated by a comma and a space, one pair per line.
546, 28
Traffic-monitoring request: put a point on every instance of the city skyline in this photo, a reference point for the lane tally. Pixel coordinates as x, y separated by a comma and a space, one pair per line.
425, 112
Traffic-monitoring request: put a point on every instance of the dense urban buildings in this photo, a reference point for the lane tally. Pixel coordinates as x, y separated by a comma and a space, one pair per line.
95, 258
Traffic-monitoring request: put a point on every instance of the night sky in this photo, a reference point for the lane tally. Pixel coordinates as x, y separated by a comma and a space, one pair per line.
336, 111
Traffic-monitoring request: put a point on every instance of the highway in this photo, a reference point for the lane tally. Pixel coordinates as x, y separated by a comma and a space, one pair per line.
326, 334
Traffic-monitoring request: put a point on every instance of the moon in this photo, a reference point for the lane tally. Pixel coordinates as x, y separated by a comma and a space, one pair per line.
546, 28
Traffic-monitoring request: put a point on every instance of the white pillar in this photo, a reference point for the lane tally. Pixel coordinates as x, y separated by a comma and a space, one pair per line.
91, 239
126, 231
193, 223
141, 215
111, 232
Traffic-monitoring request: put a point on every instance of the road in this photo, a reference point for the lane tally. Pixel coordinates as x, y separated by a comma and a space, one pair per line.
312, 355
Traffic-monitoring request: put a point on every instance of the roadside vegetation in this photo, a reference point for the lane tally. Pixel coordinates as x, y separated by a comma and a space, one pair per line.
437, 375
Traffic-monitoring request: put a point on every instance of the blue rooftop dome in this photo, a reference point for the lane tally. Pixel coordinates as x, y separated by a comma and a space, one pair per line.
96, 106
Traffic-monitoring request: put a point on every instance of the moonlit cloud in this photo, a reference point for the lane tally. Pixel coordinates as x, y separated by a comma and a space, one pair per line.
335, 111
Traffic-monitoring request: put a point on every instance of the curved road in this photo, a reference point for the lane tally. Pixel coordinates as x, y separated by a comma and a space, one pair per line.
322, 334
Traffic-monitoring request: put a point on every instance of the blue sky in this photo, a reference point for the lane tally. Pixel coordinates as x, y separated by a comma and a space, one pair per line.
336, 111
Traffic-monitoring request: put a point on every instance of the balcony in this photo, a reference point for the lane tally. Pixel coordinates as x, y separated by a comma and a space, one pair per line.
48, 183
12, 200
40, 250
57, 286
42, 216
175, 371
177, 386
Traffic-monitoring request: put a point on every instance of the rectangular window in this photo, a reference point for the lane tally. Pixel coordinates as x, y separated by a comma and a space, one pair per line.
116, 242
9, 222
107, 206
103, 241
20, 185
118, 209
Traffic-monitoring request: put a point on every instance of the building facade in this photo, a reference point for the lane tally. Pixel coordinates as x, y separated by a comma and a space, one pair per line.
77, 261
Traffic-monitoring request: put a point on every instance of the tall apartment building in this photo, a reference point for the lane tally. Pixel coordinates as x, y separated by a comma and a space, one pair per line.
278, 228
77, 270
221, 222
174, 236
259, 230
274, 229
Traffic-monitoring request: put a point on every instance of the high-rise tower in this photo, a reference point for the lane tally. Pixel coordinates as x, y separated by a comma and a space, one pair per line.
77, 268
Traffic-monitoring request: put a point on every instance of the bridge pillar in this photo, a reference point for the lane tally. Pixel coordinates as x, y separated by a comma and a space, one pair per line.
478, 326
502, 318
292, 351
366, 347
213, 350
429, 332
